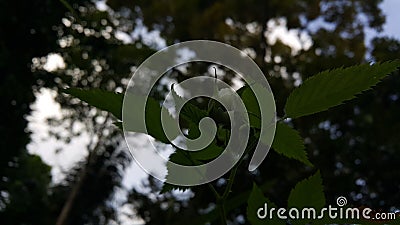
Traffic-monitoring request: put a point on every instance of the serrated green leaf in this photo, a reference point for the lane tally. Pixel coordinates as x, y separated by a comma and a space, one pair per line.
153, 121
192, 113
178, 100
223, 135
151, 114
253, 106
180, 157
288, 142
177, 157
170, 187
308, 193
104, 100
190, 158
241, 89
256, 201
183, 157
330, 88
112, 102
210, 152
250, 101
189, 112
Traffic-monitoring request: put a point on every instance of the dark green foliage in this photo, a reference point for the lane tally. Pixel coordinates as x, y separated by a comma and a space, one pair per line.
331, 88
308, 193
108, 101
288, 142
257, 200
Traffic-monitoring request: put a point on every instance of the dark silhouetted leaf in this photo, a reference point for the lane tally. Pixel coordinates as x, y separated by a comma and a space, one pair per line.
330, 88
288, 142
104, 100
308, 193
256, 201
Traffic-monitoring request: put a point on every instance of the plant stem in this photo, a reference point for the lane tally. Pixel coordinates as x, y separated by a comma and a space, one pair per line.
231, 178
222, 213
222, 199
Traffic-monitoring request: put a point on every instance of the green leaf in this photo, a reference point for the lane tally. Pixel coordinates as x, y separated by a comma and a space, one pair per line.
288, 142
212, 151
330, 88
253, 106
104, 100
192, 115
170, 187
223, 135
256, 201
177, 157
153, 120
133, 119
180, 157
190, 158
178, 100
189, 112
308, 193
112, 102
250, 101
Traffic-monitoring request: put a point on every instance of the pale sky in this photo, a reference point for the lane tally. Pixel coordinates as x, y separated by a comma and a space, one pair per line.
391, 9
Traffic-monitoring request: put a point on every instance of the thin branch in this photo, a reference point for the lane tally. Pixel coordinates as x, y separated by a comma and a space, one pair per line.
63, 218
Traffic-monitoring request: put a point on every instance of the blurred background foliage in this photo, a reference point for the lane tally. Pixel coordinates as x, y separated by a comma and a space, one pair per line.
101, 43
